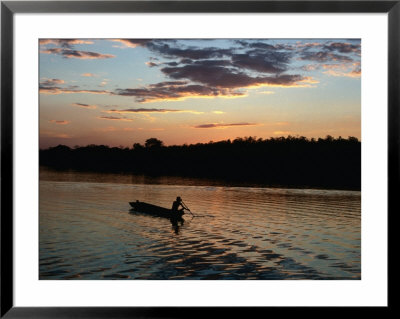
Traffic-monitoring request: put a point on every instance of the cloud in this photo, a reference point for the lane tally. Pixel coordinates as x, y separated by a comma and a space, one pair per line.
343, 47
165, 92
225, 72
339, 52
257, 44
219, 72
262, 61
163, 48
211, 74
153, 110
323, 56
168, 84
50, 87
132, 43
204, 72
61, 122
310, 67
351, 74
86, 106
88, 74
70, 53
345, 70
104, 82
62, 135
51, 82
209, 78
266, 92
58, 90
220, 125
251, 56
307, 45
114, 118
315, 51
151, 64
51, 134
352, 69
65, 43
261, 45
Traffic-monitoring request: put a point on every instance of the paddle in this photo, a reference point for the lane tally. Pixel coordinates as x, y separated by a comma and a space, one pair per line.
185, 207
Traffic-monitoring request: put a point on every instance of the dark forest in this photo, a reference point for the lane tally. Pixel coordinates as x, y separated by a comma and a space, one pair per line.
285, 161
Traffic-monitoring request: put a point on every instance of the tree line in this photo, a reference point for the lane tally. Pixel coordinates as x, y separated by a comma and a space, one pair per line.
284, 161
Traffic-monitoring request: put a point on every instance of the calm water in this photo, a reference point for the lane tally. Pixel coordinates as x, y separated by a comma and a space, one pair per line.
88, 232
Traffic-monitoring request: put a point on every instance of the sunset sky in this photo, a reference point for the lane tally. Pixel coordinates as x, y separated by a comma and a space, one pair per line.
123, 91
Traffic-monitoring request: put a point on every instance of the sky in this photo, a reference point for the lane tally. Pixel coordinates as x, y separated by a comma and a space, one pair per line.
118, 92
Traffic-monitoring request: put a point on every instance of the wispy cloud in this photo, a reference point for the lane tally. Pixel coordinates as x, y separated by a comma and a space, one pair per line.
60, 122
104, 82
266, 92
351, 74
88, 74
76, 54
222, 125
347, 70
58, 90
86, 106
323, 56
65, 43
114, 118
54, 86
343, 47
51, 134
132, 43
127, 129
144, 110
51, 82
151, 64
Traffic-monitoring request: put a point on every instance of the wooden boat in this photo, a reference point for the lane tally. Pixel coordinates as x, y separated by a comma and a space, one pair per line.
155, 210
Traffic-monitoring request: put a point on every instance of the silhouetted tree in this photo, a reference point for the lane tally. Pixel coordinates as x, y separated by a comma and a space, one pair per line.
153, 143
353, 139
137, 146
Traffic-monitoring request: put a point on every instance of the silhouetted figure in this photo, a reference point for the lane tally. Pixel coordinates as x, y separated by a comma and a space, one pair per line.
177, 204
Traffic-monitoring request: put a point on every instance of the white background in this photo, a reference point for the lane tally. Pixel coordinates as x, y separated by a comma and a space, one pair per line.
371, 290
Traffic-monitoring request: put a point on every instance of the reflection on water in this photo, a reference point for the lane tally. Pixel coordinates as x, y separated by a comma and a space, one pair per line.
176, 223
87, 231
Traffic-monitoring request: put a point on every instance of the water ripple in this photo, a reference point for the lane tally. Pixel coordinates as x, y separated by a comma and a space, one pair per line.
87, 232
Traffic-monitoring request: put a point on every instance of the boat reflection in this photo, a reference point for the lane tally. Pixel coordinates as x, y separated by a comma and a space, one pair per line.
176, 222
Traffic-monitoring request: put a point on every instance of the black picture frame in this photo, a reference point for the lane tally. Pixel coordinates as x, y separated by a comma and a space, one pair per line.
9, 8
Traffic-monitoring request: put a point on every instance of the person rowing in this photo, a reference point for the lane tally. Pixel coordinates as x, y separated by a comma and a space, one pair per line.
178, 203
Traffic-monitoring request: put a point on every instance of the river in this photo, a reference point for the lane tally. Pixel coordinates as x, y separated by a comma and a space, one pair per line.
87, 230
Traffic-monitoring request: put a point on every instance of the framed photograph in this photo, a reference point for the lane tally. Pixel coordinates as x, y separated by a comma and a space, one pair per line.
161, 156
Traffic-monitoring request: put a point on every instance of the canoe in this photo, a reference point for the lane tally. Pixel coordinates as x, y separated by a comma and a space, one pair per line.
155, 210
